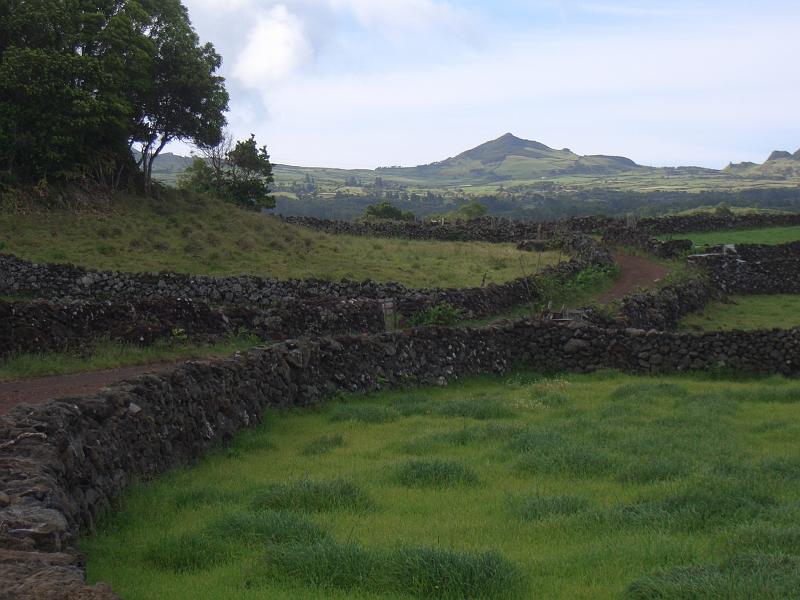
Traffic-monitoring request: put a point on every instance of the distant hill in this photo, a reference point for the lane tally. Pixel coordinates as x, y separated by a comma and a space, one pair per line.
512, 158
780, 164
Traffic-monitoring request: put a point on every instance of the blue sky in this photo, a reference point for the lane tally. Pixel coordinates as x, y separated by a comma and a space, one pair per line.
366, 83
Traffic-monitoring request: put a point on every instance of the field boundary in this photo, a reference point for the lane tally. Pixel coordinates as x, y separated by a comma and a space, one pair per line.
67, 461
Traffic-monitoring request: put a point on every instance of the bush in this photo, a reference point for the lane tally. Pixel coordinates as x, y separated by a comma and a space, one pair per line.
442, 314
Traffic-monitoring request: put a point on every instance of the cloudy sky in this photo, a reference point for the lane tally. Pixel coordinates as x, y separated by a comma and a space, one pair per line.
367, 83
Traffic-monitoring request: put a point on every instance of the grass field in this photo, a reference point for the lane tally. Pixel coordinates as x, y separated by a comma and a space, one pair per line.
748, 312
767, 235
206, 237
527, 486
110, 355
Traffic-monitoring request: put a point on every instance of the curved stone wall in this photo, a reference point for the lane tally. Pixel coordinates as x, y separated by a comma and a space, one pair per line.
65, 463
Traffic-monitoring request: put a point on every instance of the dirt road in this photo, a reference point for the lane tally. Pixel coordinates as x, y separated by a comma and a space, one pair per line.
636, 272
41, 389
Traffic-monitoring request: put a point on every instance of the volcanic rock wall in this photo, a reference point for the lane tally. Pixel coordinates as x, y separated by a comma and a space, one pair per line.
64, 463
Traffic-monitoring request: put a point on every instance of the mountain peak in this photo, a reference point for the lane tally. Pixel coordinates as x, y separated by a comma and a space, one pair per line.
497, 150
779, 154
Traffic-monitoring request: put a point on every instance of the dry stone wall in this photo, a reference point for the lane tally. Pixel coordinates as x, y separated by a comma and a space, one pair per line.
641, 239
712, 222
21, 277
484, 229
75, 326
65, 463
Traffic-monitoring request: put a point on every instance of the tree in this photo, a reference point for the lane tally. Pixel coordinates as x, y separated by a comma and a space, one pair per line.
240, 174
472, 210
82, 83
385, 210
186, 100
249, 175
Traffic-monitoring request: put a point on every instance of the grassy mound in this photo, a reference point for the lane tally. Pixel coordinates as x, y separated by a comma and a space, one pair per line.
194, 235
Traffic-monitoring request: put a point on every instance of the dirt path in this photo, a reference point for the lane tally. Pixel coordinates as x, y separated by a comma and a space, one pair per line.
42, 389
636, 272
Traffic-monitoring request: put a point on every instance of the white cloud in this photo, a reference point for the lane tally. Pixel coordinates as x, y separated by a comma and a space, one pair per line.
402, 14
276, 47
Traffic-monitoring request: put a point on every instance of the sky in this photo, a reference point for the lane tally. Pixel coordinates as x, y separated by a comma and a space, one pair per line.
368, 83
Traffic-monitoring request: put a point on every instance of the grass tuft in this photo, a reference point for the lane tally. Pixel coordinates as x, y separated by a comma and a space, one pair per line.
262, 527
763, 576
537, 507
322, 445
418, 572
364, 413
435, 473
314, 496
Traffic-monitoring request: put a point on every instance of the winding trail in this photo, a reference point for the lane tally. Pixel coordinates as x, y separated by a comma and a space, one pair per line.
637, 272
42, 389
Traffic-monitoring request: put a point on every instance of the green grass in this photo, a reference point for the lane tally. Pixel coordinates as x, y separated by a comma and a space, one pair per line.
587, 486
747, 312
766, 235
200, 236
111, 355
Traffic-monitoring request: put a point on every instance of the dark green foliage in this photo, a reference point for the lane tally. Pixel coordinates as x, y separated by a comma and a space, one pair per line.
418, 572
240, 174
323, 445
441, 314
313, 496
762, 576
435, 473
386, 211
81, 84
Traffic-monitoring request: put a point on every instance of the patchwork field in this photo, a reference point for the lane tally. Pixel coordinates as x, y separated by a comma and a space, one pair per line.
192, 235
767, 235
525, 486
747, 312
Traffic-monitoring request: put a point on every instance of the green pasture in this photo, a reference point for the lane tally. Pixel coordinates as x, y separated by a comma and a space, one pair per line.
780, 311
525, 486
187, 234
766, 235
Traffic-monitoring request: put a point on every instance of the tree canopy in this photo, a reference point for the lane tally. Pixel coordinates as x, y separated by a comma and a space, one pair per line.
83, 83
240, 173
386, 210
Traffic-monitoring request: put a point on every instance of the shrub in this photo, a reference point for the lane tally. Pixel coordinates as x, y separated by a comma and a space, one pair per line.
443, 314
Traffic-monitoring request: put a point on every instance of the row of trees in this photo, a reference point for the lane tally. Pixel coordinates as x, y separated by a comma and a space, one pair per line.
83, 83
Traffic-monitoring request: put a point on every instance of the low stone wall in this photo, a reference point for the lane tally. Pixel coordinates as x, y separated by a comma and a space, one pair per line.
484, 229
663, 309
65, 463
21, 277
736, 276
711, 222
75, 326
641, 239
